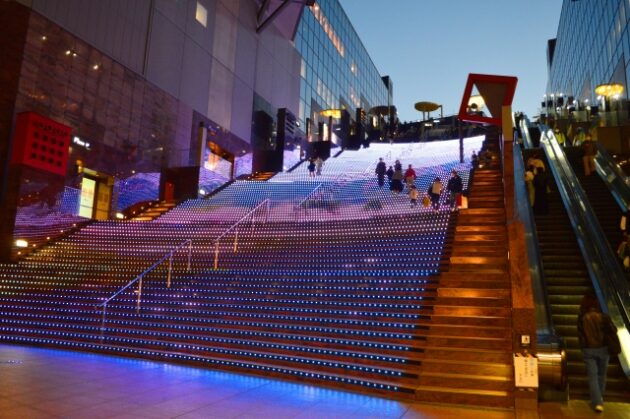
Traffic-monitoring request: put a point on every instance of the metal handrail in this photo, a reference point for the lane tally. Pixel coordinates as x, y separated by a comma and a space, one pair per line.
544, 320
605, 271
266, 202
527, 138
307, 197
139, 278
613, 176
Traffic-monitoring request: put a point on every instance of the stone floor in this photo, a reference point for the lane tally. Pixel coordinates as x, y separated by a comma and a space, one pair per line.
48, 383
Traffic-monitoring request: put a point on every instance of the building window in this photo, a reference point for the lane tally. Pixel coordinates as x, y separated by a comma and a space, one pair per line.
202, 15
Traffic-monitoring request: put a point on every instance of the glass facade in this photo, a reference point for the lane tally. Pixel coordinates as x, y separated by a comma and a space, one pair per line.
336, 70
592, 48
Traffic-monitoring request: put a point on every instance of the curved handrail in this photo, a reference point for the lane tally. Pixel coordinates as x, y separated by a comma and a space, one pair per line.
613, 176
607, 276
527, 138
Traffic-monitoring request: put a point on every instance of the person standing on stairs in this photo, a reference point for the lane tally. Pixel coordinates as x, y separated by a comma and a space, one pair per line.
562, 140
588, 159
455, 188
592, 326
410, 176
319, 163
529, 183
413, 196
624, 221
380, 172
434, 192
396, 184
579, 138
541, 204
474, 160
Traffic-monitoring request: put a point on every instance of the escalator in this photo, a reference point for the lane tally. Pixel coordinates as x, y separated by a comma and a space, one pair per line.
566, 280
607, 210
571, 252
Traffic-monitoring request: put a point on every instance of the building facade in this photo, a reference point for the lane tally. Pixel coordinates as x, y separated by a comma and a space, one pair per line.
162, 98
335, 68
592, 48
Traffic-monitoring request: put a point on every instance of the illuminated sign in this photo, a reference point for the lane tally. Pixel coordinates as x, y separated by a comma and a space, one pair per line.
81, 142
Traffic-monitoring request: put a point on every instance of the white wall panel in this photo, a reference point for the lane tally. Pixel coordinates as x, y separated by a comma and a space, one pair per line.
195, 79
165, 54
264, 74
225, 32
245, 64
220, 97
242, 105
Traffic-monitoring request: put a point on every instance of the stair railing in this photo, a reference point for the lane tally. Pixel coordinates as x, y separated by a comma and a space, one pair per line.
138, 279
251, 217
320, 198
310, 195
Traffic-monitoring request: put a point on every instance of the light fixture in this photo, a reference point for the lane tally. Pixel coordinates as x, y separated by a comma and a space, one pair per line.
335, 113
120, 216
609, 90
21, 243
477, 100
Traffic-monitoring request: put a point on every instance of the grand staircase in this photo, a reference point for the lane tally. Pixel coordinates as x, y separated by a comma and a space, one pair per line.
471, 348
412, 305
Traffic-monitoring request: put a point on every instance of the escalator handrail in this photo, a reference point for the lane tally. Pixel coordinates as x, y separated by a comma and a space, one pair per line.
613, 176
605, 271
527, 138
523, 210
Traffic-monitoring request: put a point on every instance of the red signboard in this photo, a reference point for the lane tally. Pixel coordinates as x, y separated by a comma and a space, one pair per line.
41, 143
497, 91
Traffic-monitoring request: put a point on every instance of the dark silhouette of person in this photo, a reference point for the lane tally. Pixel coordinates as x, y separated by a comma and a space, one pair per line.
380, 171
455, 187
592, 327
390, 173
541, 204
396, 183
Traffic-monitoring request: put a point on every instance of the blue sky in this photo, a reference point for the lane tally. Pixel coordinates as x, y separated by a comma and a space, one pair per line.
429, 47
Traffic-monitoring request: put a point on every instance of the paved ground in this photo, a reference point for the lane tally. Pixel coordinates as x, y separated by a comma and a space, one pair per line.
46, 383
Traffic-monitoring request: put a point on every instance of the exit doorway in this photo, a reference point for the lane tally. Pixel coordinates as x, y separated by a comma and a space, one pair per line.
96, 195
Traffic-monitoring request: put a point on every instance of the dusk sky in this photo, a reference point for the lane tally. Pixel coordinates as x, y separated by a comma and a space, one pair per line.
429, 47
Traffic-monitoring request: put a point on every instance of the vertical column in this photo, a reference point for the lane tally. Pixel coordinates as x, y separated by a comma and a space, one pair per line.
14, 19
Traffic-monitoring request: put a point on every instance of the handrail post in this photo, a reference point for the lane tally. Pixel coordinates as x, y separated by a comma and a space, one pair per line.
139, 294
236, 239
189, 254
103, 323
216, 255
268, 211
170, 270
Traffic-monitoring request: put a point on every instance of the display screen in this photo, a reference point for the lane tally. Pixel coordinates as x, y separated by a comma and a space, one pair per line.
88, 187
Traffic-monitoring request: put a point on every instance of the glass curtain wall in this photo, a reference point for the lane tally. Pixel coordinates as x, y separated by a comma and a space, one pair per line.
336, 71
